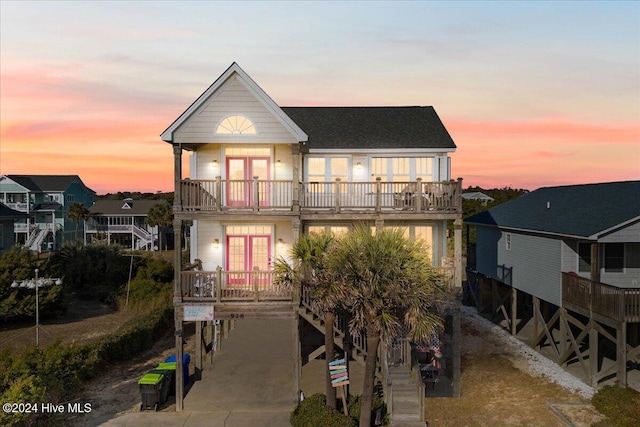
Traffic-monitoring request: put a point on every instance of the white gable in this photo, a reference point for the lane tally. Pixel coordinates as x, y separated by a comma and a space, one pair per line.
234, 93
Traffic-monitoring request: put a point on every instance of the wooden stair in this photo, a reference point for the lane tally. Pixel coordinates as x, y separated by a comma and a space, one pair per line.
357, 352
405, 398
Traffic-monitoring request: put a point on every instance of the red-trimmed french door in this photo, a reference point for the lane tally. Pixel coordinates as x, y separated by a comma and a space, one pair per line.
240, 173
245, 253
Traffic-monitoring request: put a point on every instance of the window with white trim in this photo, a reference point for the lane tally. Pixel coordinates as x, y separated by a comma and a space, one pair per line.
402, 169
507, 241
584, 257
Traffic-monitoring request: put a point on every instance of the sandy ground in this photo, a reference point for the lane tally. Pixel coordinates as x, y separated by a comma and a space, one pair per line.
502, 385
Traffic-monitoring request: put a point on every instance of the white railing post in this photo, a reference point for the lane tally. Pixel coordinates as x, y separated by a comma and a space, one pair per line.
419, 194
256, 194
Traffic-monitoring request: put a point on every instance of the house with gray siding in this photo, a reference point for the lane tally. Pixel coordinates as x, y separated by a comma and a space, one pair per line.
565, 255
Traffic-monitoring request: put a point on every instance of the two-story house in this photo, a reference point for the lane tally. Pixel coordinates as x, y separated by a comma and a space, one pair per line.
45, 199
8, 217
123, 222
261, 174
560, 267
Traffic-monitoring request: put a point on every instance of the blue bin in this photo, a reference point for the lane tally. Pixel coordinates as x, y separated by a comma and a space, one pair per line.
186, 359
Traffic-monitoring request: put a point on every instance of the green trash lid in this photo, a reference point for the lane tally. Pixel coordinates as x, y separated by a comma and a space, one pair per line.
151, 378
167, 366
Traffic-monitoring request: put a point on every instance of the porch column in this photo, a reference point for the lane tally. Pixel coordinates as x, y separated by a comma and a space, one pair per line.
295, 177
177, 279
177, 176
457, 251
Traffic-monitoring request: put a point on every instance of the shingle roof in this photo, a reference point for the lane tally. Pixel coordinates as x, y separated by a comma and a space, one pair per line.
47, 182
585, 210
115, 207
371, 127
8, 213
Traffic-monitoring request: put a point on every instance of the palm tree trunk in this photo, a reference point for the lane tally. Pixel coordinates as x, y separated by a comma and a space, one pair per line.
329, 352
373, 340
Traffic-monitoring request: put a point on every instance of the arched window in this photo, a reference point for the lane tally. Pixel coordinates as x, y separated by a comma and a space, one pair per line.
236, 125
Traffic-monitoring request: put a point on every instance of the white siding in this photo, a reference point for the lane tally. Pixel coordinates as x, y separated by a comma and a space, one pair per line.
232, 98
207, 231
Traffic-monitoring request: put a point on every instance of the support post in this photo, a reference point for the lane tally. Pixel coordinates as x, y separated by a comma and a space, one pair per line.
295, 175
457, 251
514, 310
198, 361
536, 321
179, 365
621, 353
209, 341
593, 354
457, 364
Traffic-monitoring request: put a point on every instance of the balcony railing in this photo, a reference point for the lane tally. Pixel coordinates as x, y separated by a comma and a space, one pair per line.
376, 196
621, 304
232, 286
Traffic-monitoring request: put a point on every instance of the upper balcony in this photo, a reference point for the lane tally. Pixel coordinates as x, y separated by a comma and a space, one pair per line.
285, 196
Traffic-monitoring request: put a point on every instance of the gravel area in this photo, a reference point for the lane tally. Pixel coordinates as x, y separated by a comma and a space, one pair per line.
537, 364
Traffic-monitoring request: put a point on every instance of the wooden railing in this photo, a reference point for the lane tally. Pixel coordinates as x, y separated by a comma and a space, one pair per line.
376, 196
232, 286
621, 304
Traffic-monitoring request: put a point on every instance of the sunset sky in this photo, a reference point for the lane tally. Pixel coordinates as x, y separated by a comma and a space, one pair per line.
533, 93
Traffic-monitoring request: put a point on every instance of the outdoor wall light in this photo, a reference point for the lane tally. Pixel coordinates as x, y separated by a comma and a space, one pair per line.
216, 243
278, 163
215, 163
358, 165
280, 242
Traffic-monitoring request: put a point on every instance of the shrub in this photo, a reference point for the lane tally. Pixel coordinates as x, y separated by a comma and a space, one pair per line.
620, 405
314, 412
355, 403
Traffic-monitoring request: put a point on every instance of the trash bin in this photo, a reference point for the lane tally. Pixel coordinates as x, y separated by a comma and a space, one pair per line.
152, 387
186, 359
169, 370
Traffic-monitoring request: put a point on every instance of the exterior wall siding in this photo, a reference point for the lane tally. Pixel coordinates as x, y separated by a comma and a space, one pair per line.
627, 234
207, 231
233, 98
533, 264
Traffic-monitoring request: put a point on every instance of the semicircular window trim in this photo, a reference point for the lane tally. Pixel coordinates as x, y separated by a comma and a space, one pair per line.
236, 124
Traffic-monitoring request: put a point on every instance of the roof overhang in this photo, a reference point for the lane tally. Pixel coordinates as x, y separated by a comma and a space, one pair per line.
252, 86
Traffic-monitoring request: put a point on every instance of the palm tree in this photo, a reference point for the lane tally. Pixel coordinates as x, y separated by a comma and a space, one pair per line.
160, 215
309, 253
390, 287
78, 212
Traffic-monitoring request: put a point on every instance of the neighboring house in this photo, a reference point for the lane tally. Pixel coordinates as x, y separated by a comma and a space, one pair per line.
123, 222
260, 175
477, 196
45, 199
567, 255
8, 217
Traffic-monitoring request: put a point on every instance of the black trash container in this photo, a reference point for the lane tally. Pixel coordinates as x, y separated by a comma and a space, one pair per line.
152, 387
169, 370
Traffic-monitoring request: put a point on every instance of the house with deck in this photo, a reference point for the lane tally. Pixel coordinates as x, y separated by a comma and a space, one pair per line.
260, 174
8, 217
123, 222
560, 266
45, 200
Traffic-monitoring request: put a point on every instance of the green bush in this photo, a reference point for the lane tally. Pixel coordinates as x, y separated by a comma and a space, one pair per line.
620, 405
314, 412
355, 403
